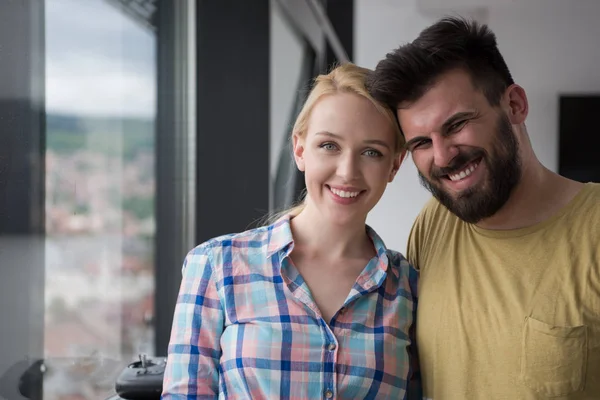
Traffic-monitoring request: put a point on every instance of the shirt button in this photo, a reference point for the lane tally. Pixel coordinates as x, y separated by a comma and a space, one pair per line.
328, 394
331, 347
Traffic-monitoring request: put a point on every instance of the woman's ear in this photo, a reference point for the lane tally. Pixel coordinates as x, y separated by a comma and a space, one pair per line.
298, 143
398, 158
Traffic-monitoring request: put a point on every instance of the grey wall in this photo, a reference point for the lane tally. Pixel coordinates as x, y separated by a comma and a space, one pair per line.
21, 183
286, 61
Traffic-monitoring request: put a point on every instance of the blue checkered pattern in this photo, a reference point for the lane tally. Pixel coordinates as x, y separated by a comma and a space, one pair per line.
247, 327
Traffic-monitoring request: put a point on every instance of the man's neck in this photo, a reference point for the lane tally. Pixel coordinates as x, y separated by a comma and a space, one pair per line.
539, 195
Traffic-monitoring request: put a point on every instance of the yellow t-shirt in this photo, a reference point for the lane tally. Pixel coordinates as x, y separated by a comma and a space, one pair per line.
509, 314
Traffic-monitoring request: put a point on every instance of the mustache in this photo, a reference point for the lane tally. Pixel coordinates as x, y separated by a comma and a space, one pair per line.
457, 163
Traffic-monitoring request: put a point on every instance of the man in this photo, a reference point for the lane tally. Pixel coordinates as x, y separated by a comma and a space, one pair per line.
508, 251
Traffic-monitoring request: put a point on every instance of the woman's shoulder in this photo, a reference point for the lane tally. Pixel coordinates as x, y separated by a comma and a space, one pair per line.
403, 267
239, 245
396, 258
236, 239
398, 261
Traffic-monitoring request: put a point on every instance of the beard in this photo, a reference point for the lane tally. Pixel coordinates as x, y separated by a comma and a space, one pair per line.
486, 198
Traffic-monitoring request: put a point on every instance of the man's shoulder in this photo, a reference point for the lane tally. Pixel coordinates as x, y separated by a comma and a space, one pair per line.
591, 192
584, 213
584, 209
428, 231
433, 213
432, 206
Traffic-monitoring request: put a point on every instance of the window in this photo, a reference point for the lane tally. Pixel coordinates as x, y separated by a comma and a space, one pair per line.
303, 43
94, 124
100, 189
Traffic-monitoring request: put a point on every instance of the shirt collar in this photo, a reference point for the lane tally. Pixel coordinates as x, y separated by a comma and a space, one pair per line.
382, 252
280, 238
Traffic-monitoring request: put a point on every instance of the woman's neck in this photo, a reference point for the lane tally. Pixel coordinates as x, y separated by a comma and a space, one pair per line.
318, 237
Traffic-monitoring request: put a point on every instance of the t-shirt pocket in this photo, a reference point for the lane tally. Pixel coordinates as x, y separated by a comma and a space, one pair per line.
553, 358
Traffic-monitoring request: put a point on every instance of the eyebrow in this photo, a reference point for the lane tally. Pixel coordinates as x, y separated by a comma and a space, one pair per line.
447, 124
339, 137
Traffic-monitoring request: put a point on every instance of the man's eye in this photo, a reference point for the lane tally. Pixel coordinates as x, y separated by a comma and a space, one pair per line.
419, 144
456, 126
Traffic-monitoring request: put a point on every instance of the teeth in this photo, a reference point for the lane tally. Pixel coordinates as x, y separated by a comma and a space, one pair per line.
343, 193
463, 174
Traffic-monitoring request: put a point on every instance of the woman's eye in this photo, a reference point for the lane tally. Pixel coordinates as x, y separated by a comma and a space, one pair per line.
372, 153
328, 146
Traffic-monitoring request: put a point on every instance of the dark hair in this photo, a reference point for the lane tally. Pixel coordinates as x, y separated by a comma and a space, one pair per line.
409, 71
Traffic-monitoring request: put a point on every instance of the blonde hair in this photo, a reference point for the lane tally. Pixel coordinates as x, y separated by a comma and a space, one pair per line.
345, 78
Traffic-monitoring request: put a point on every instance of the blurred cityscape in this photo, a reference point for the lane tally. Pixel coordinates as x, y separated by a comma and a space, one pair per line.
99, 251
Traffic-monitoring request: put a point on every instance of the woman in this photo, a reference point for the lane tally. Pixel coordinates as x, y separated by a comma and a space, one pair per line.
313, 305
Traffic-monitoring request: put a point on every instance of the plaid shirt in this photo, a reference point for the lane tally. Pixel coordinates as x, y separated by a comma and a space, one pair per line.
246, 326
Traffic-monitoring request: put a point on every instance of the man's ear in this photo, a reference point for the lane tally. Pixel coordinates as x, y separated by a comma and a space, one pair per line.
398, 158
298, 151
516, 104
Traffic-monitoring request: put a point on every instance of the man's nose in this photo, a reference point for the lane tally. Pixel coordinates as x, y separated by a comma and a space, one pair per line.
443, 151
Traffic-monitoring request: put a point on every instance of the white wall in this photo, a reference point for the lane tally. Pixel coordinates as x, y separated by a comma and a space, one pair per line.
551, 47
552, 50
